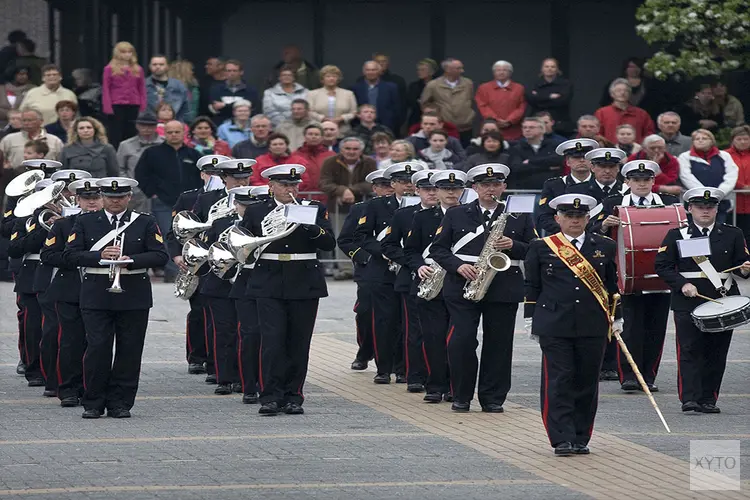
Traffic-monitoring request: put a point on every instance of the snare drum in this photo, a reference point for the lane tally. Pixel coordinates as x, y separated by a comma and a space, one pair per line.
728, 314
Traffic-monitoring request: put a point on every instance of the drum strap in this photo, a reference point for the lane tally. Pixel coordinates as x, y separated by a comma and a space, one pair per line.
713, 275
110, 236
382, 234
467, 238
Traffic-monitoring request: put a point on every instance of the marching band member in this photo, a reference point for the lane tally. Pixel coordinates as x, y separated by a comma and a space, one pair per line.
574, 152
109, 317
287, 283
569, 278
206, 200
701, 356
645, 313
64, 290
363, 315
370, 232
458, 244
433, 315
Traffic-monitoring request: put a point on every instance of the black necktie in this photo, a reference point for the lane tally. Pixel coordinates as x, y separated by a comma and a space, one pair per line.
642, 202
114, 222
705, 231
606, 189
576, 243
487, 217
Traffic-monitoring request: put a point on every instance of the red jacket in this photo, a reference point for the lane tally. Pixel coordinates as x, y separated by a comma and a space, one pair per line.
313, 157
610, 117
742, 159
503, 103
448, 128
268, 160
670, 169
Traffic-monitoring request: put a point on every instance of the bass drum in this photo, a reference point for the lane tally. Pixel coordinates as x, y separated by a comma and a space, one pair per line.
640, 234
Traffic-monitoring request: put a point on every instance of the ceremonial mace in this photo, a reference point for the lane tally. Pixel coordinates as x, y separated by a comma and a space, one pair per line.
634, 366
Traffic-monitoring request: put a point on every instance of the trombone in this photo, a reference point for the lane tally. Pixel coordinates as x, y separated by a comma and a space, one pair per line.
114, 270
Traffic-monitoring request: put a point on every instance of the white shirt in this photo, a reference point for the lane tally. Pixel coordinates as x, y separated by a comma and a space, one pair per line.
611, 186
110, 215
491, 210
700, 229
575, 179
637, 199
581, 238
450, 83
502, 85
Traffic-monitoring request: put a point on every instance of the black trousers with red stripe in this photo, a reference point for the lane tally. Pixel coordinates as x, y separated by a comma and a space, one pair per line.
21, 330
32, 327
286, 328
71, 346
385, 319
434, 319
645, 326
701, 360
498, 323
570, 386
414, 363
249, 343
363, 323
198, 323
48, 345
224, 339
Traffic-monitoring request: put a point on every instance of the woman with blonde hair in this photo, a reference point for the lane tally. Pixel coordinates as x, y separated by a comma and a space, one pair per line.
88, 149
123, 92
184, 71
331, 102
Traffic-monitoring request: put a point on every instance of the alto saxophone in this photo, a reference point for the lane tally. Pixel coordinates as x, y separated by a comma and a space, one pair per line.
430, 287
489, 263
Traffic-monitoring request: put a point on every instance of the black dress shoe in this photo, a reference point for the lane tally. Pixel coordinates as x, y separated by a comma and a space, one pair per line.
709, 408
400, 379
211, 378
581, 449
448, 397
69, 402
692, 406
118, 413
630, 385
651, 387
564, 449
609, 375
382, 378
37, 382
250, 399
293, 409
223, 389
460, 407
49, 393
415, 388
92, 413
196, 368
269, 409
359, 365
20, 368
237, 387
433, 397
492, 408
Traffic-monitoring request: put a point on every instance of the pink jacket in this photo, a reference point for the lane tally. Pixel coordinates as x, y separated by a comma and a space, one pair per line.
123, 89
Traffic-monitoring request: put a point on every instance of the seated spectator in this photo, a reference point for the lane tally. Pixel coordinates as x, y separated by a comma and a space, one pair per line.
702, 111
655, 149
88, 149
278, 154
66, 114
740, 153
123, 92
454, 94
130, 151
426, 69
669, 129
12, 145
503, 100
44, 97
431, 107
626, 139
367, 126
549, 126
621, 111
18, 86
431, 121
88, 92
294, 128
184, 71
706, 165
732, 112
26, 58
552, 94
161, 88
331, 135
331, 102
533, 160
305, 72
381, 94
277, 101
257, 143
492, 150
588, 128
225, 94
238, 128
164, 115
437, 156
203, 138
14, 123
381, 147
475, 146
314, 154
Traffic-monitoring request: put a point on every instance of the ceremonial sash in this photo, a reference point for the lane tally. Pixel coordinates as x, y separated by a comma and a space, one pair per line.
581, 267
110, 236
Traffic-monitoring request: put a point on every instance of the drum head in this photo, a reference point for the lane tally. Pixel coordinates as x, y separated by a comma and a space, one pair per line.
726, 305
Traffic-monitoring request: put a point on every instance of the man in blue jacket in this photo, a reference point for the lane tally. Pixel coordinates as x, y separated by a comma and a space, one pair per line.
381, 94
234, 88
161, 88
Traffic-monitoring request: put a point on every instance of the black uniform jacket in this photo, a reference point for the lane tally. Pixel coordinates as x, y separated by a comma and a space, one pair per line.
727, 250
393, 248
507, 286
378, 215
294, 279
66, 283
142, 242
186, 201
212, 285
420, 236
8, 220
559, 302
551, 189
592, 188
205, 201
346, 240
609, 204
22, 244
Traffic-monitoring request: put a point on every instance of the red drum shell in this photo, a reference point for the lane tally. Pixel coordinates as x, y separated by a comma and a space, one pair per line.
639, 236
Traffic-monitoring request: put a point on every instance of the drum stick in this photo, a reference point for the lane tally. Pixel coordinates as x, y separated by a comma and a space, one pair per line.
636, 371
707, 298
732, 269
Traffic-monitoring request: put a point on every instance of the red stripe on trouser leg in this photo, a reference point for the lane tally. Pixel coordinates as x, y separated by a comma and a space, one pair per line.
205, 328
620, 374
260, 365
426, 362
187, 335
406, 334
59, 340
26, 344
239, 355
679, 374
374, 337
41, 351
545, 405
213, 324
447, 341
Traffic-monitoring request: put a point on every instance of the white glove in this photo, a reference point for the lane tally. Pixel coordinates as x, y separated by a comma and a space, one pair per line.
617, 325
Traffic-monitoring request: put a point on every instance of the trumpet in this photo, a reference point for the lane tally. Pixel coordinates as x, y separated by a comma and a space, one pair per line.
114, 270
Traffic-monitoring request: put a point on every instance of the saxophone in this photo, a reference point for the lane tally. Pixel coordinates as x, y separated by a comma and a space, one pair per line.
430, 287
489, 263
